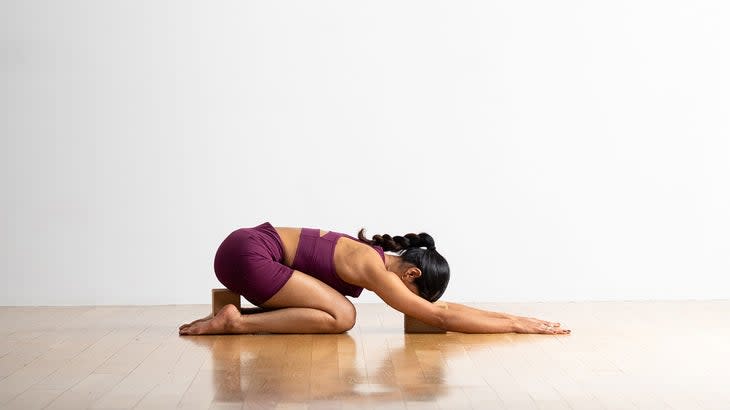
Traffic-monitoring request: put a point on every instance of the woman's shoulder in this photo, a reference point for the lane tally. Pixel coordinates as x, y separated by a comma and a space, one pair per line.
362, 245
357, 261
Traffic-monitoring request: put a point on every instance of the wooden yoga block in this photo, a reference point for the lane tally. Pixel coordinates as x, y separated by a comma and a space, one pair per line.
222, 297
413, 325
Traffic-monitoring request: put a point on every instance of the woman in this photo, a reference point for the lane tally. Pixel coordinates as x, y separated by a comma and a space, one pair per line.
300, 276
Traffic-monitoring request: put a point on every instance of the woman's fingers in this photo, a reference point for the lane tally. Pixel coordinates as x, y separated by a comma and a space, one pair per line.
533, 325
553, 324
543, 321
560, 331
552, 328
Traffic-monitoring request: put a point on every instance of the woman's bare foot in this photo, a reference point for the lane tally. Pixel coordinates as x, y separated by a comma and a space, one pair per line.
210, 316
228, 320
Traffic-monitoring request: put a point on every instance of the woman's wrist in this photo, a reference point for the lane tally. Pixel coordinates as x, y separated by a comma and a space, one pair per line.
513, 317
518, 324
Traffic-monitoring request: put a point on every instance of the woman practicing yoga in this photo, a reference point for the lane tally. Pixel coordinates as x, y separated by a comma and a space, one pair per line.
300, 277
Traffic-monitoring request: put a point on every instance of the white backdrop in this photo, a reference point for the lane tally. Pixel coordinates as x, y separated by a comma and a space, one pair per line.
555, 150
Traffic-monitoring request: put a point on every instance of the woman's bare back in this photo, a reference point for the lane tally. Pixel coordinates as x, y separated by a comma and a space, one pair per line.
353, 260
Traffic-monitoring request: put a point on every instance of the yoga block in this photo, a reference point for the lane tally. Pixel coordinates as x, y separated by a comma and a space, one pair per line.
413, 325
222, 297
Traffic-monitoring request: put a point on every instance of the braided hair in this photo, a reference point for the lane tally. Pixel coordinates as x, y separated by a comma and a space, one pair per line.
434, 268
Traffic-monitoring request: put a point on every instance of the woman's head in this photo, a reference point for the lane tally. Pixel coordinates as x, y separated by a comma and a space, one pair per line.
434, 269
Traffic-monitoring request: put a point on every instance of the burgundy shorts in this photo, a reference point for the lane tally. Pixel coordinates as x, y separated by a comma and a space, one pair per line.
248, 262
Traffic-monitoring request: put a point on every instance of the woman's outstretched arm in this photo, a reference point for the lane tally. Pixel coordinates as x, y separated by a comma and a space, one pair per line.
521, 324
461, 319
478, 321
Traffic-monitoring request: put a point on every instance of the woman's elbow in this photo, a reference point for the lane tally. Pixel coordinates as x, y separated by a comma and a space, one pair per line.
441, 319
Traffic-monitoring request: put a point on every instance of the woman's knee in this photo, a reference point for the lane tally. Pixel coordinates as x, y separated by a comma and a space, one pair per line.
344, 318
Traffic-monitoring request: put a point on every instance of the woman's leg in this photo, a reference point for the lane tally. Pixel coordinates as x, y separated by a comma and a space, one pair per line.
303, 305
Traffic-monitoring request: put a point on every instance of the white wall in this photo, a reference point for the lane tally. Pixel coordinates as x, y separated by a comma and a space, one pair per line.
555, 150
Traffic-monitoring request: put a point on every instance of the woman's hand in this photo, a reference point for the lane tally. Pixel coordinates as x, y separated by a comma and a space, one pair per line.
534, 325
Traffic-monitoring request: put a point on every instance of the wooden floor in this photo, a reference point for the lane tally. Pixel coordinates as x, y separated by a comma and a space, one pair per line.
620, 355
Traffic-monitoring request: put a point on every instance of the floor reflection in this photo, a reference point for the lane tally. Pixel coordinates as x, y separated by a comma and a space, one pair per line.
270, 369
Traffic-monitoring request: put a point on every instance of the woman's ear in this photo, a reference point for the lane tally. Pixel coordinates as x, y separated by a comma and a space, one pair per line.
413, 272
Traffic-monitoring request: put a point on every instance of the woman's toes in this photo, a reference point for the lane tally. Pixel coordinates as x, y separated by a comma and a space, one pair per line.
193, 329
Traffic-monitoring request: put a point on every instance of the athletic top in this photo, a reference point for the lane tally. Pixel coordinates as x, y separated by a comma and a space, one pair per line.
315, 257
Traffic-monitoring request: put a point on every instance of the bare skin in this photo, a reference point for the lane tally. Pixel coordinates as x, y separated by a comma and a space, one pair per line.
307, 305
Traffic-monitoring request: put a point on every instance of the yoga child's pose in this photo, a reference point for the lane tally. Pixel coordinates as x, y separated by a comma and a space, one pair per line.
300, 277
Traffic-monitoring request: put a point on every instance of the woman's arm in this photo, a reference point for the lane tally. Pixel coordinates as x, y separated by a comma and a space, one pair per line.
478, 321
456, 318
462, 319
470, 310
521, 324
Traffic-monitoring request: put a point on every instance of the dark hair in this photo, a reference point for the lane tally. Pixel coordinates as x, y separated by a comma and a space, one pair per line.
434, 268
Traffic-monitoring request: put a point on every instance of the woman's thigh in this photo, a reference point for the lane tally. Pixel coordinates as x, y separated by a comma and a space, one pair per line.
302, 290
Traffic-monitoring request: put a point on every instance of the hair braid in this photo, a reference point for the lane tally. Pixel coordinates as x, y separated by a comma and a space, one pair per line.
399, 243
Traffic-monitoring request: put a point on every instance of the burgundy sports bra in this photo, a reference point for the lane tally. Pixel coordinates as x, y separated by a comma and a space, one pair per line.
315, 257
